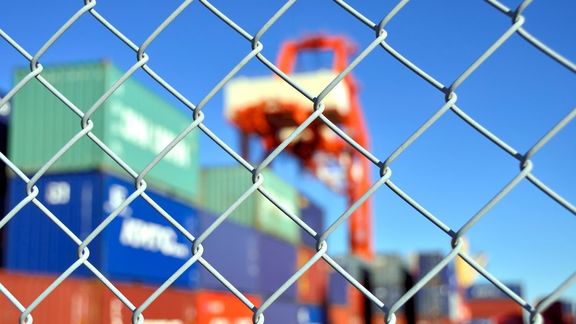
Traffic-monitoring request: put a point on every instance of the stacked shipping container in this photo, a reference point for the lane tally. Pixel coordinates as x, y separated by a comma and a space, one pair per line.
138, 245
438, 300
389, 277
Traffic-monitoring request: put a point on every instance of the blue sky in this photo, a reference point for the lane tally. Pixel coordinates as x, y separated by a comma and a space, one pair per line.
518, 94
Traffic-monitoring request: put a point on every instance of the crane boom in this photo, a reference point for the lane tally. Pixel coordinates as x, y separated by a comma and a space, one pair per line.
270, 108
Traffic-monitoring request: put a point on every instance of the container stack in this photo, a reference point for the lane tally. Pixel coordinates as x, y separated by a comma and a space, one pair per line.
389, 279
437, 301
346, 304
140, 248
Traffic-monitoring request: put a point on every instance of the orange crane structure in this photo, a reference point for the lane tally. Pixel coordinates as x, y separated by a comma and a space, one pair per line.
270, 108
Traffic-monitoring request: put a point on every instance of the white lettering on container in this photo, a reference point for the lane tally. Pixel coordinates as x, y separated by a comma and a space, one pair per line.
57, 193
152, 237
146, 134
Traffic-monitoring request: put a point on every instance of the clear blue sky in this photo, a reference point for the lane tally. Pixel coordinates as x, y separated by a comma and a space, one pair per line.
518, 94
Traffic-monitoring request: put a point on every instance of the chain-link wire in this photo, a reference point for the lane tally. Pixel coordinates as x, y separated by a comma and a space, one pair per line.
254, 48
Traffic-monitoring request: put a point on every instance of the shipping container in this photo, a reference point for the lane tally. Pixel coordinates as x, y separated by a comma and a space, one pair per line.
489, 291
491, 308
426, 261
176, 306
233, 250
71, 302
223, 308
313, 215
222, 186
138, 245
134, 122
277, 263
312, 284
311, 314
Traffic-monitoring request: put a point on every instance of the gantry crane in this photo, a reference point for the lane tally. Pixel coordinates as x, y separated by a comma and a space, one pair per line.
270, 108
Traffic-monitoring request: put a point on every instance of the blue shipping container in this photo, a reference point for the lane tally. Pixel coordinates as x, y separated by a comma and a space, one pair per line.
232, 249
313, 215
139, 245
427, 261
277, 263
489, 291
282, 313
310, 314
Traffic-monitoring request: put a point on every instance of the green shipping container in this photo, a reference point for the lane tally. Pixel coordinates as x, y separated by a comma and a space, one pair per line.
222, 186
134, 122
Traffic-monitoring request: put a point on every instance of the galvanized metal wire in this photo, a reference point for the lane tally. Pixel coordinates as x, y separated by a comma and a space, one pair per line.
254, 46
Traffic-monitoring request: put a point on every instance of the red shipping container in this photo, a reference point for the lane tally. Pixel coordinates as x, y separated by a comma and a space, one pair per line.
223, 308
81, 301
172, 305
311, 286
178, 306
488, 308
71, 302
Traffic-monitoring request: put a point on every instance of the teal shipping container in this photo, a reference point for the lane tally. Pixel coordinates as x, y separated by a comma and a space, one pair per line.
134, 122
222, 186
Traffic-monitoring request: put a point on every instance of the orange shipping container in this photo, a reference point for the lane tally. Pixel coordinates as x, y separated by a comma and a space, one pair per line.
487, 308
71, 302
311, 287
178, 306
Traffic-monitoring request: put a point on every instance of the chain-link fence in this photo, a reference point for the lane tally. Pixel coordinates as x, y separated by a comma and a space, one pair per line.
383, 164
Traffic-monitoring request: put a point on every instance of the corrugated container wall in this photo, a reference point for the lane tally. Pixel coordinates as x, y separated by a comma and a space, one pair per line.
139, 245
232, 249
4, 124
313, 215
277, 264
222, 186
135, 123
71, 302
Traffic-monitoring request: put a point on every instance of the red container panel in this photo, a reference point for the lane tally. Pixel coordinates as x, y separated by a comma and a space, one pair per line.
71, 302
488, 308
223, 308
312, 285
